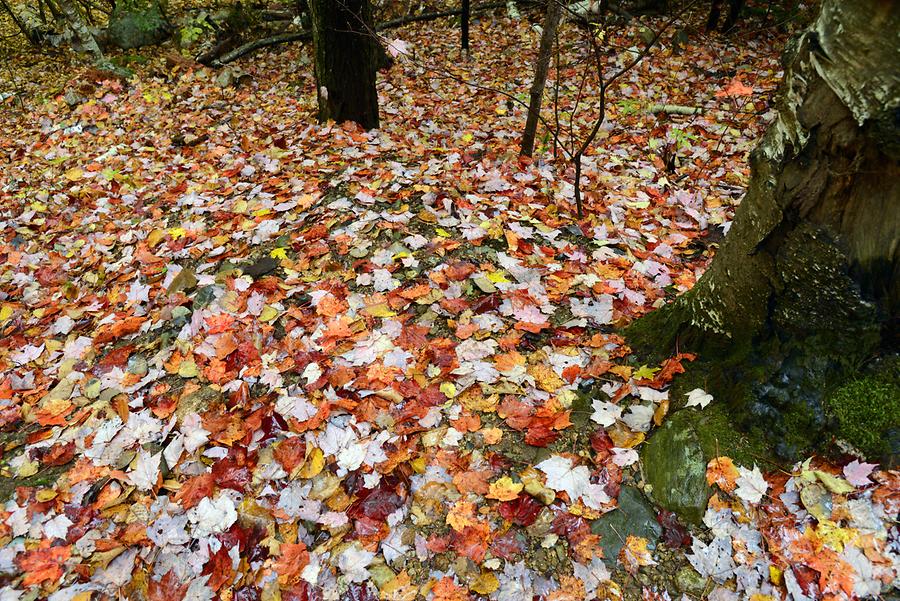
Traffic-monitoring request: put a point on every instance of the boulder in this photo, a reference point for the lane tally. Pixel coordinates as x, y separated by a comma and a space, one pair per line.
133, 25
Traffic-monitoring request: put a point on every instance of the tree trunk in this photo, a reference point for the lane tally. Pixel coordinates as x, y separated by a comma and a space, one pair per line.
805, 290
551, 22
346, 61
464, 25
83, 38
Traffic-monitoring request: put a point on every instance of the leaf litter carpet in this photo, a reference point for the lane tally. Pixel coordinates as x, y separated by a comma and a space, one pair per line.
245, 356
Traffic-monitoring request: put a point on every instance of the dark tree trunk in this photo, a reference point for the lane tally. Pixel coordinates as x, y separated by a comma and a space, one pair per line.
551, 22
464, 25
346, 61
805, 290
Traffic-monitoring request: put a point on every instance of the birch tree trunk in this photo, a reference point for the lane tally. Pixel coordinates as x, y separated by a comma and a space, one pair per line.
548, 36
346, 61
805, 290
81, 33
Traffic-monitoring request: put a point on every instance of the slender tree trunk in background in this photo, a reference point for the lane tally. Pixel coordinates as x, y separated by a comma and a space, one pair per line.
346, 61
805, 290
548, 35
464, 24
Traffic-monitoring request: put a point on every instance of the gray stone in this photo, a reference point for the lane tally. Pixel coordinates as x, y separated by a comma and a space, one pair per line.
635, 516
675, 466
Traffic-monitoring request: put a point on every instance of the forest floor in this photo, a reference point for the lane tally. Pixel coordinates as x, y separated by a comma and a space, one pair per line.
245, 356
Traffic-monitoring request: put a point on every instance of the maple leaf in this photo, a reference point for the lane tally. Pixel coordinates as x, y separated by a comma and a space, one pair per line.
722, 472
713, 560
605, 413
43, 564
857, 473
504, 489
751, 486
166, 588
146, 470
735, 88
634, 554
698, 398
563, 475
289, 565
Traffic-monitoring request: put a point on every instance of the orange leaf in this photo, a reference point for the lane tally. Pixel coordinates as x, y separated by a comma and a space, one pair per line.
42, 564
294, 557
722, 472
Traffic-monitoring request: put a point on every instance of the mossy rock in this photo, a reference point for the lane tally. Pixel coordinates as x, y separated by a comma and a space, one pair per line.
136, 25
634, 516
675, 458
866, 411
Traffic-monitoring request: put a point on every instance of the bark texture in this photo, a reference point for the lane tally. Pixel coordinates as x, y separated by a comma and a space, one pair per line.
806, 287
346, 61
548, 37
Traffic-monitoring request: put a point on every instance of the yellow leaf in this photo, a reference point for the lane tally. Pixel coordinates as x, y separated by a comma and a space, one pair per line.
545, 378
74, 174
461, 515
155, 237
313, 465
379, 310
491, 435
188, 369
278, 253
399, 588
635, 554
418, 464
504, 489
177, 232
6, 312
27, 468
624, 438
485, 584
645, 373
45, 495
269, 313
449, 389
835, 485
443, 233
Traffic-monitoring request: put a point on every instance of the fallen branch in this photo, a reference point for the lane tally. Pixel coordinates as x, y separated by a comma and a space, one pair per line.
306, 34
283, 38
675, 109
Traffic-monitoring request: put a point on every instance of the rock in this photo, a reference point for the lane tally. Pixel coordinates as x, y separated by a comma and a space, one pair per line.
675, 466
260, 268
73, 98
132, 26
690, 582
676, 455
231, 76
634, 516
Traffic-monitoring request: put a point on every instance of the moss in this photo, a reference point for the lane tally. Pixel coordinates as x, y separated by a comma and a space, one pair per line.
45, 478
867, 408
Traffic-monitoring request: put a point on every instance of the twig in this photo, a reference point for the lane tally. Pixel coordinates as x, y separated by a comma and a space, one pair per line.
286, 38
